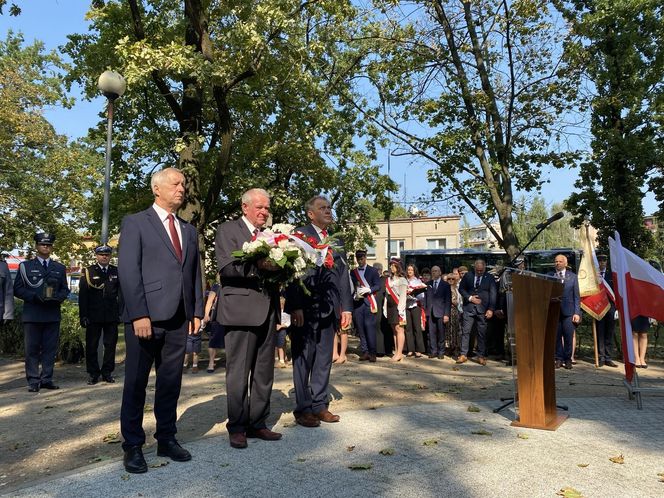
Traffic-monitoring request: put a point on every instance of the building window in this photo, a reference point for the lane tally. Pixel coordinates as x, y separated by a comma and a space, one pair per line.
396, 246
436, 243
371, 252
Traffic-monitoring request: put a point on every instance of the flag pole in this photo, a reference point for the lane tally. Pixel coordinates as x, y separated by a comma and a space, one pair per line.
595, 342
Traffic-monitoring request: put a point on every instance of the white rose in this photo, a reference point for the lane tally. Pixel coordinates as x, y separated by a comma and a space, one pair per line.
283, 228
253, 246
276, 254
245, 246
284, 244
299, 263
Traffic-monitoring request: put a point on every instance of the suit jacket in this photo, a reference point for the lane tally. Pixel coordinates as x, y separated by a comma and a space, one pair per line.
30, 284
99, 305
570, 303
152, 279
372, 278
487, 292
244, 301
6, 293
329, 287
438, 303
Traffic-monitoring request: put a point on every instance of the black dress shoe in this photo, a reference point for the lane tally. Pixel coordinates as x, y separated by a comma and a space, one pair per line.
134, 461
610, 363
108, 378
49, 385
33, 388
559, 364
173, 450
568, 365
93, 380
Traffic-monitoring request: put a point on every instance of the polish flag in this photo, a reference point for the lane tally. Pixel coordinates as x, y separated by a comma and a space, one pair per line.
594, 298
639, 292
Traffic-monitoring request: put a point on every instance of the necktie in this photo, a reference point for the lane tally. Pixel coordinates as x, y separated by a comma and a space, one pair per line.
362, 268
477, 281
45, 265
435, 285
174, 237
561, 275
603, 275
323, 234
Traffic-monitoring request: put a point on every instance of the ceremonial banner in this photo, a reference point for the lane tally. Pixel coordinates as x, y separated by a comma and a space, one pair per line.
594, 299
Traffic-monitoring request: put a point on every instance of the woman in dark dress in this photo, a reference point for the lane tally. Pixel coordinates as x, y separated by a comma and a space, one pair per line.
453, 330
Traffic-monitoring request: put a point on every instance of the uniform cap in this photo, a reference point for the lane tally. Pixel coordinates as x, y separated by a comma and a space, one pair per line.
44, 238
103, 249
602, 257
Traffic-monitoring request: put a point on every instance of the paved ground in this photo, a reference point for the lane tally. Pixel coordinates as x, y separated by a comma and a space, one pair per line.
47, 441
432, 451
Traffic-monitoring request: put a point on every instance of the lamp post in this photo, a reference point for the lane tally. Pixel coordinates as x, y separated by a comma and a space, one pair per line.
112, 85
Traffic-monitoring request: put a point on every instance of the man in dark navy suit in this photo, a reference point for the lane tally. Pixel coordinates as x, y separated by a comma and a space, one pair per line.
479, 302
606, 326
570, 311
160, 278
366, 281
6, 293
315, 318
42, 284
99, 313
438, 305
249, 311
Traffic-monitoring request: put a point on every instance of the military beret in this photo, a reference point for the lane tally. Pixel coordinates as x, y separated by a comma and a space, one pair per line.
44, 238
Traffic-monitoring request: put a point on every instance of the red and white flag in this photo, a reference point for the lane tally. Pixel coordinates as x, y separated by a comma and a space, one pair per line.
593, 289
639, 292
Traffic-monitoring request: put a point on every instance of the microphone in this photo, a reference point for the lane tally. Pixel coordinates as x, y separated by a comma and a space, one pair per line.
546, 223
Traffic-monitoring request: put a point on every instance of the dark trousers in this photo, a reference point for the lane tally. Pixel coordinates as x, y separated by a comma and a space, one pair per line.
93, 333
605, 330
470, 318
365, 323
384, 337
414, 335
165, 348
564, 336
41, 347
249, 374
436, 335
312, 360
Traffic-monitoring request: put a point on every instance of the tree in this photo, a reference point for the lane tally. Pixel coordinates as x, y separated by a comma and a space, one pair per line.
621, 46
44, 180
238, 95
528, 214
479, 90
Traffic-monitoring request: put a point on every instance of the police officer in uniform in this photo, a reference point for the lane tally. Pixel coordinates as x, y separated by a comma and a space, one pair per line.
42, 284
99, 313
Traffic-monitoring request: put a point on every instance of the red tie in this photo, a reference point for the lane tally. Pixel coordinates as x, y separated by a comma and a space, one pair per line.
323, 233
174, 237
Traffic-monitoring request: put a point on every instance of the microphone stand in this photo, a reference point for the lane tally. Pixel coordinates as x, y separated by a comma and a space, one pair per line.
511, 399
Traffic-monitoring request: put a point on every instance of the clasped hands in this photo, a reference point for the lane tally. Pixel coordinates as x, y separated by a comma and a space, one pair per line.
297, 319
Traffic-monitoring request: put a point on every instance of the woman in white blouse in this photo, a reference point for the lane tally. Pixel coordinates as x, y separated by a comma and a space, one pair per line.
396, 291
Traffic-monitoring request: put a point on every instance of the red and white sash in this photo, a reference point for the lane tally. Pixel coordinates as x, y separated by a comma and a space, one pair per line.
395, 298
373, 305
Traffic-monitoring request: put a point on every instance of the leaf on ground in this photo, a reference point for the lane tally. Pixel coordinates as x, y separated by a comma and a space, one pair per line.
124, 477
439, 395
159, 463
301, 460
523, 436
48, 407
100, 458
147, 408
350, 448
387, 451
618, 459
482, 432
420, 386
429, 442
360, 466
288, 424
473, 409
224, 464
569, 492
112, 438
456, 369
357, 382
582, 465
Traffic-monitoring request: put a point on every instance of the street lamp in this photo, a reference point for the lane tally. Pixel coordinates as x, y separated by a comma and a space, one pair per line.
112, 85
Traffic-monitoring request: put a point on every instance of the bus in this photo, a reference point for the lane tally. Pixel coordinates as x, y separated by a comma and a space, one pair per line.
540, 261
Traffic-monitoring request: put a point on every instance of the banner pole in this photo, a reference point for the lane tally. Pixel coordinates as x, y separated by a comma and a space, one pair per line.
595, 342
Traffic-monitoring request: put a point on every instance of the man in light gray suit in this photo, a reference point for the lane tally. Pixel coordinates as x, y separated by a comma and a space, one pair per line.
248, 310
160, 278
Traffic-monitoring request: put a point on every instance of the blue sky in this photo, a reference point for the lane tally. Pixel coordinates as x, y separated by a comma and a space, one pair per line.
52, 20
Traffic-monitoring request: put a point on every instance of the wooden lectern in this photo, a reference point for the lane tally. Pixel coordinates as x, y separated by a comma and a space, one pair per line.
536, 306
